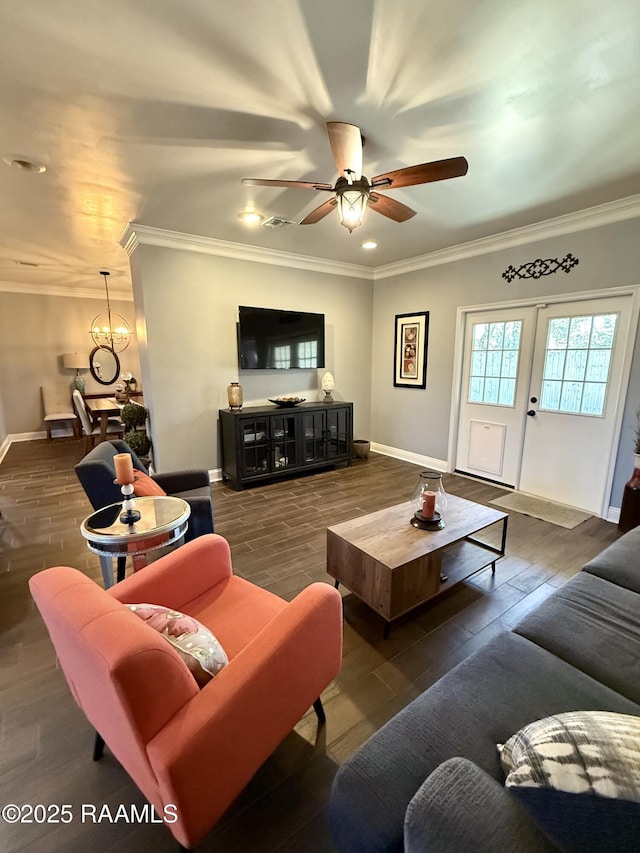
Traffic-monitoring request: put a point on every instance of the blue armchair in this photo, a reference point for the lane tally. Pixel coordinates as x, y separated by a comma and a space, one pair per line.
96, 472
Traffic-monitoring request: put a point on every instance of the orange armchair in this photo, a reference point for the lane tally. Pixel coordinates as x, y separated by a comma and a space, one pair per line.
187, 747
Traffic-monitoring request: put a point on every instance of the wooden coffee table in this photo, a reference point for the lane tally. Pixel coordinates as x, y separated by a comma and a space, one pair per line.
394, 567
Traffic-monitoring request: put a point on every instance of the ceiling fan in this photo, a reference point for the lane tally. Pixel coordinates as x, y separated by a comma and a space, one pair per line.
353, 192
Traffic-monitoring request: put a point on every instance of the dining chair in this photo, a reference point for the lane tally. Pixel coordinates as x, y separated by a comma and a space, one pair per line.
58, 410
191, 748
91, 430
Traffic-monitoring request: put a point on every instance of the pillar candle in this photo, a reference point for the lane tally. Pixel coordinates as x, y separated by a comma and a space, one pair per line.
428, 504
124, 468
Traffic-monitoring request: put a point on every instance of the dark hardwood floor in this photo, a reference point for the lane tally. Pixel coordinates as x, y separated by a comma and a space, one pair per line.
277, 535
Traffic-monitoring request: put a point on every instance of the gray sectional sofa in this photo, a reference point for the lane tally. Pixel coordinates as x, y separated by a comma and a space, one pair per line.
431, 778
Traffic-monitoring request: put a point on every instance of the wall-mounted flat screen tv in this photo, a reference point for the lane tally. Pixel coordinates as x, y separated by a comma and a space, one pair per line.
270, 339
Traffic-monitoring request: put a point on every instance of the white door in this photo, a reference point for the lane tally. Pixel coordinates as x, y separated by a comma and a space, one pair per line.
540, 396
576, 381
495, 390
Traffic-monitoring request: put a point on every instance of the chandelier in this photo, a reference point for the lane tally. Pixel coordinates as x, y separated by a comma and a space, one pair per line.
110, 330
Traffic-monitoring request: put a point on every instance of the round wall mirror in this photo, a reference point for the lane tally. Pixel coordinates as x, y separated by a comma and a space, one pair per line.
104, 365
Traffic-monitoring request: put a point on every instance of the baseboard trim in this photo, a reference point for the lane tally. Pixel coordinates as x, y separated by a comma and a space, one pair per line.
57, 432
215, 475
613, 514
407, 456
4, 447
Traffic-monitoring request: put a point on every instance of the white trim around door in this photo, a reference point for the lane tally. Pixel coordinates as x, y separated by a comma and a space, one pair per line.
625, 344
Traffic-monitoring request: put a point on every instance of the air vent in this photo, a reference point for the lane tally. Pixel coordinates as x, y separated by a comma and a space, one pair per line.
276, 222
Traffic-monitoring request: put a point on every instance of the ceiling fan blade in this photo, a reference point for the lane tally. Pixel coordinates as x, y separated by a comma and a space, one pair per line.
305, 185
438, 170
346, 145
319, 212
390, 207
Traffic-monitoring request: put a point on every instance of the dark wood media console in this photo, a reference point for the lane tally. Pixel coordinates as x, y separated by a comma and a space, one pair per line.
267, 442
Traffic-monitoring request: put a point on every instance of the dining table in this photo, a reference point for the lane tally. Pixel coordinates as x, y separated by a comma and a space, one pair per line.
103, 408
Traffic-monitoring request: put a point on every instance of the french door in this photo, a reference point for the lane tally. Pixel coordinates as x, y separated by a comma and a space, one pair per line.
540, 397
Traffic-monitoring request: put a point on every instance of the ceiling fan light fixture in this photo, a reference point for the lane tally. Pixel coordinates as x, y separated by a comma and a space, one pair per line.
352, 201
250, 217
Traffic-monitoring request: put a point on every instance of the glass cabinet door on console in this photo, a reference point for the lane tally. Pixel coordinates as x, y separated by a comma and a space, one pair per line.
313, 425
339, 433
254, 453
326, 434
283, 441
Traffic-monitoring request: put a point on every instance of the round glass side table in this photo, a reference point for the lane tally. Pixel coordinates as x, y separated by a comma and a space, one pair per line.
163, 521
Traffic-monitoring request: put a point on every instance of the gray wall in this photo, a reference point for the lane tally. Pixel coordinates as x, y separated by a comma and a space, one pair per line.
418, 420
187, 310
35, 330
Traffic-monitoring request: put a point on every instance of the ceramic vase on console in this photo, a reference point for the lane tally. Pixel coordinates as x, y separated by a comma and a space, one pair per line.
235, 396
429, 501
630, 510
328, 385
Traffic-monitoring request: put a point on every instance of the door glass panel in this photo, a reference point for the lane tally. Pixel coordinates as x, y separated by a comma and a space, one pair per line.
551, 395
579, 332
558, 333
507, 392
598, 365
494, 362
491, 386
476, 389
554, 364
576, 365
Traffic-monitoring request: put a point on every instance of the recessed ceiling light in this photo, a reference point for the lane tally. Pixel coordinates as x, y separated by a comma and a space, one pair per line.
369, 244
250, 217
24, 164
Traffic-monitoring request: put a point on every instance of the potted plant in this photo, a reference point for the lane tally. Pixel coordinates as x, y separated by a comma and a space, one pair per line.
134, 417
139, 442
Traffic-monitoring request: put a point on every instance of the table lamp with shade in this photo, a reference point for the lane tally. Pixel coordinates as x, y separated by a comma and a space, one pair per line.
76, 361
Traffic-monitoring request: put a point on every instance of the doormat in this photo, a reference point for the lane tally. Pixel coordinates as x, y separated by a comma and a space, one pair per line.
563, 516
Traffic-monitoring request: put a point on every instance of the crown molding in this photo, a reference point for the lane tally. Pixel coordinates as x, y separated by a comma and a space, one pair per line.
66, 291
569, 223
135, 235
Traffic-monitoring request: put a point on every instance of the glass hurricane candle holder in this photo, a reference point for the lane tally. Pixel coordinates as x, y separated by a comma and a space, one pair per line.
429, 501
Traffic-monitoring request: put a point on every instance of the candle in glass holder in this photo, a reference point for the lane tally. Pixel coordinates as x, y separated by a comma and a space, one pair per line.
428, 504
124, 468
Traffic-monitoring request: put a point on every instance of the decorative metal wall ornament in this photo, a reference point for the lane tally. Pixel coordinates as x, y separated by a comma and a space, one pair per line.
538, 268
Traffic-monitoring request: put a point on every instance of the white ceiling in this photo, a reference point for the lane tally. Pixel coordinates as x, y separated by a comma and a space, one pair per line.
153, 110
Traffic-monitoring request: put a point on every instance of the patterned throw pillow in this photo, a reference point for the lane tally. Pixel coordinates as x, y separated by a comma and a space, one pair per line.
195, 644
578, 774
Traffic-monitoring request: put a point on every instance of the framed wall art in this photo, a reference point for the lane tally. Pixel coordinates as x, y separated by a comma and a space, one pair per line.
410, 363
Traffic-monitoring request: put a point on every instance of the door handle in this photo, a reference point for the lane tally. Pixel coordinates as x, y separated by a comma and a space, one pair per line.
532, 413
533, 400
